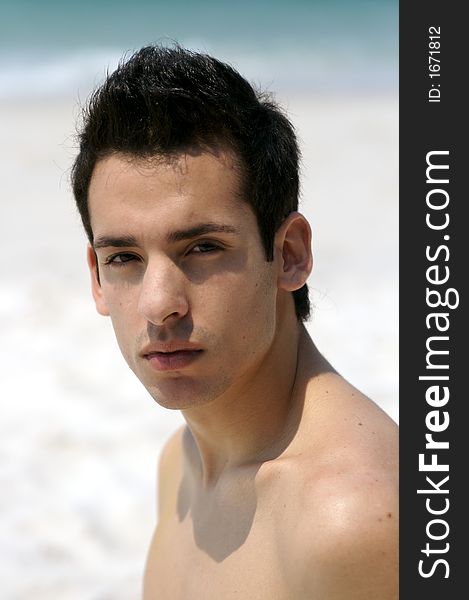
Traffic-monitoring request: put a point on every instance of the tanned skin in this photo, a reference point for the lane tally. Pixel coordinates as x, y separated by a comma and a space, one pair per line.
282, 484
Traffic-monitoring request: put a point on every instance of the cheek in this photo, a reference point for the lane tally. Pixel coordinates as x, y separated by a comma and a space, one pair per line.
124, 317
245, 309
121, 308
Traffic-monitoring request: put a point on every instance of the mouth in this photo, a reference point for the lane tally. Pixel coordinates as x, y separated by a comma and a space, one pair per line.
173, 360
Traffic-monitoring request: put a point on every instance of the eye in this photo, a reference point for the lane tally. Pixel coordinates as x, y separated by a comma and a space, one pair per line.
205, 248
120, 259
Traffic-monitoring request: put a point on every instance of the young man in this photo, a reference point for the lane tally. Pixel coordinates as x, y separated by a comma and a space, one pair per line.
283, 483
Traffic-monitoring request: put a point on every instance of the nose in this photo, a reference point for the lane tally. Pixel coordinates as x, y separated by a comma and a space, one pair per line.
163, 296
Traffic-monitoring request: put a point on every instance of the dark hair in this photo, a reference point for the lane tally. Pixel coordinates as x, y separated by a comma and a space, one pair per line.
162, 101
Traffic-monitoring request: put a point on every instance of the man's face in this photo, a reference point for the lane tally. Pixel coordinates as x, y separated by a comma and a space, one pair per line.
182, 273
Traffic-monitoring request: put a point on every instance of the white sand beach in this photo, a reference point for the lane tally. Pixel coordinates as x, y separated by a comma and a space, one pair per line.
79, 436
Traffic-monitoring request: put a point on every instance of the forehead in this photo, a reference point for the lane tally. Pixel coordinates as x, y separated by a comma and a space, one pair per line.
184, 189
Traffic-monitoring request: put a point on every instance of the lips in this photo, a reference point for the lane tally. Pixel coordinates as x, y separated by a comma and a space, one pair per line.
171, 356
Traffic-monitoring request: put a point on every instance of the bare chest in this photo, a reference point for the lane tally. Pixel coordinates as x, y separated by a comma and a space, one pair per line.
234, 555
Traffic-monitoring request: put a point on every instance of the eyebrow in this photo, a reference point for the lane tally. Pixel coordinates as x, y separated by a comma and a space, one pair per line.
202, 229
179, 235
114, 242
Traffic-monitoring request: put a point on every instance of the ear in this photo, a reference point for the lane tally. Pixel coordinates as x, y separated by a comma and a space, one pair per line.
293, 248
96, 288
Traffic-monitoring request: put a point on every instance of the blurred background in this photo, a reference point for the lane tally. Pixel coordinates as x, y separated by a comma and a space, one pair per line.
79, 436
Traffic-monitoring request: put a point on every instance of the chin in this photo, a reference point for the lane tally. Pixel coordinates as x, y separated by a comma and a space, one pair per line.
184, 393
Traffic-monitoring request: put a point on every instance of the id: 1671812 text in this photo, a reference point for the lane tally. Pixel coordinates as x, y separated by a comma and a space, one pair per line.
434, 67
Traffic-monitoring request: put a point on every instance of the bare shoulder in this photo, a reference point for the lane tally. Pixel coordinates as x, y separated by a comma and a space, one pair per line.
345, 534
346, 541
338, 535
169, 470
350, 539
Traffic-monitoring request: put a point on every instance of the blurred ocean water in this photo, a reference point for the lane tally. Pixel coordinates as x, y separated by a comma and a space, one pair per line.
55, 48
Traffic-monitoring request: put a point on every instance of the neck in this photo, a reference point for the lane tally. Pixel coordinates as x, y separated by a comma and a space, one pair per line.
255, 423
